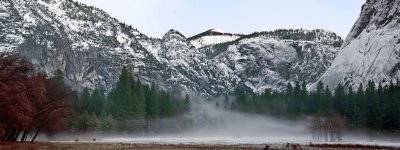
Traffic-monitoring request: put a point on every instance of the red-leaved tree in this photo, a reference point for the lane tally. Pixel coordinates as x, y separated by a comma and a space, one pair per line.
28, 101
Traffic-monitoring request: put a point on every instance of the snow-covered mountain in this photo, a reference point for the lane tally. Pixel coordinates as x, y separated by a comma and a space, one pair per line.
85, 42
91, 47
372, 49
269, 60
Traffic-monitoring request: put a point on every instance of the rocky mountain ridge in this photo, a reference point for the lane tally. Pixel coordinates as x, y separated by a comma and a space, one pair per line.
91, 47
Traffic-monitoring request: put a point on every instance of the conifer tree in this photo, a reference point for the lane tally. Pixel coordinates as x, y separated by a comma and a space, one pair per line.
152, 102
140, 105
372, 107
304, 98
350, 106
85, 99
318, 97
97, 101
339, 102
327, 100
121, 96
359, 106
166, 106
297, 101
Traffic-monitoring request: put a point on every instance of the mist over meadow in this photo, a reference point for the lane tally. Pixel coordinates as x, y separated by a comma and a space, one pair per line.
71, 73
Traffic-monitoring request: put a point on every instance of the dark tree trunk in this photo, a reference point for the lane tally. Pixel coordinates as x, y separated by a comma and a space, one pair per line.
16, 136
34, 137
24, 136
11, 135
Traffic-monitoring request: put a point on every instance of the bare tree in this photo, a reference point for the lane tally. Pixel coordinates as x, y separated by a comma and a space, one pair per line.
330, 127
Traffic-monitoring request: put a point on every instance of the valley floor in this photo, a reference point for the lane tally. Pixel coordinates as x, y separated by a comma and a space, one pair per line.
104, 146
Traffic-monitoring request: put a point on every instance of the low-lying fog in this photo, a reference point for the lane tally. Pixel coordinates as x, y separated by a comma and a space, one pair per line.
212, 125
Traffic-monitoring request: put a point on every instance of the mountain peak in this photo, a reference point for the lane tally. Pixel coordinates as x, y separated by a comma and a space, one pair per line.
214, 30
173, 33
213, 36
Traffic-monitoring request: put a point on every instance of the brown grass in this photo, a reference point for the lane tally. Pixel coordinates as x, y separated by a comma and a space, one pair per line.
119, 146
351, 146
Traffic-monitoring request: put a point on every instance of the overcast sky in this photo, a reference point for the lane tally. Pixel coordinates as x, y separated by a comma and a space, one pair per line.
156, 17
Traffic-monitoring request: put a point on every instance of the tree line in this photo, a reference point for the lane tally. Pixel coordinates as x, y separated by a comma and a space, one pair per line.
373, 108
130, 107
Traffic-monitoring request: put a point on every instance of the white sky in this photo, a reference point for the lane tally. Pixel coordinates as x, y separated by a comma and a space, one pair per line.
190, 17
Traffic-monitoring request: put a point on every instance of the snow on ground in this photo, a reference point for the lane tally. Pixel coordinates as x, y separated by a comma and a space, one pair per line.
122, 38
213, 39
15, 38
29, 18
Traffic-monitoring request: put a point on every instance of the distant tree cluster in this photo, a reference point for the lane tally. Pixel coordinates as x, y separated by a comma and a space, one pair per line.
300, 34
29, 102
129, 107
374, 108
287, 34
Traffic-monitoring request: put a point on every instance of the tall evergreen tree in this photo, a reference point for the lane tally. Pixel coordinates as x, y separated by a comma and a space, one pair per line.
372, 107
85, 99
121, 96
166, 105
327, 103
241, 99
152, 102
339, 102
359, 106
304, 98
350, 106
140, 104
122, 101
297, 102
318, 97
97, 102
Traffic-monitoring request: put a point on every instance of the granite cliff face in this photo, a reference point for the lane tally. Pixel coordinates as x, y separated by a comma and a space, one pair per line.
84, 42
372, 49
91, 47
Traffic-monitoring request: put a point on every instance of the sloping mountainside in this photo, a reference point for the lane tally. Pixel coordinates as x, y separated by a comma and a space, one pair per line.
91, 47
371, 50
269, 60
